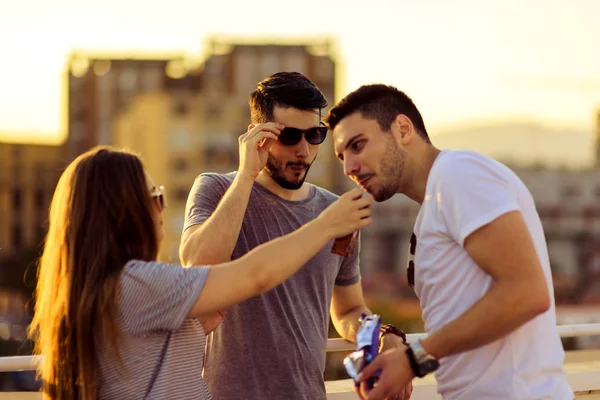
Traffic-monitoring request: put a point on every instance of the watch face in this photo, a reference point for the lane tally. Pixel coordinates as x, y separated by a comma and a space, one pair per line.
430, 365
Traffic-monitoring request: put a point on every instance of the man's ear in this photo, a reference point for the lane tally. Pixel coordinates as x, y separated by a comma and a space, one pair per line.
403, 125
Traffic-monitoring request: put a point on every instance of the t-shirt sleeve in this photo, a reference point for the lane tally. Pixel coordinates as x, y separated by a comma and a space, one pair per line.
156, 296
203, 199
349, 272
472, 192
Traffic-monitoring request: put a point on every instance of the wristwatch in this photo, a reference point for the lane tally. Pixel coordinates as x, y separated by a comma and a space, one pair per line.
421, 362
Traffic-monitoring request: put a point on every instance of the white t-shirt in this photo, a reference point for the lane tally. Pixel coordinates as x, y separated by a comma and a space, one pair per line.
465, 191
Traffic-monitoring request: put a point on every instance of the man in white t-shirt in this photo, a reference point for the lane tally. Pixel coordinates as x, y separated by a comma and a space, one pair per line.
479, 262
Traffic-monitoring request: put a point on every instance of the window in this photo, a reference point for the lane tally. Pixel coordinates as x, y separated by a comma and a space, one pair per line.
128, 80
295, 60
78, 109
323, 70
180, 107
77, 131
269, 63
216, 157
17, 237
221, 151
180, 164
569, 191
179, 139
181, 194
213, 110
40, 232
39, 171
17, 151
215, 67
152, 79
17, 199
39, 197
17, 161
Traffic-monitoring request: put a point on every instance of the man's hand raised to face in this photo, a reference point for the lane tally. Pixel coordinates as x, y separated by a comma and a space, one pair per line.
254, 147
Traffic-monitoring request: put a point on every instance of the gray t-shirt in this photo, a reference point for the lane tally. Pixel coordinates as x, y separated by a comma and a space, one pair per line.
162, 350
272, 346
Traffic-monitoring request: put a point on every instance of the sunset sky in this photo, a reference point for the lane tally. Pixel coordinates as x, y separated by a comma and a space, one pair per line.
461, 61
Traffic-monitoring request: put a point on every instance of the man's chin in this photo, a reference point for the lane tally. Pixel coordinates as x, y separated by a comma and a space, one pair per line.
294, 185
288, 179
295, 177
291, 184
381, 196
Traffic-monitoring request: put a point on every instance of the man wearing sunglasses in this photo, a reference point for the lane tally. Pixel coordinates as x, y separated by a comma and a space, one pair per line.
274, 345
478, 258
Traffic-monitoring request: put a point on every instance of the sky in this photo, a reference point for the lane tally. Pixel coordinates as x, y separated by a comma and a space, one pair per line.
461, 61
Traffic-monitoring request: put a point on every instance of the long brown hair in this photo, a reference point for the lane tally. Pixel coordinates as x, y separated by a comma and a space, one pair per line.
101, 217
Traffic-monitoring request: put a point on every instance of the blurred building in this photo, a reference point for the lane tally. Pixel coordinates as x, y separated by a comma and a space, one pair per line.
101, 86
569, 205
186, 129
28, 176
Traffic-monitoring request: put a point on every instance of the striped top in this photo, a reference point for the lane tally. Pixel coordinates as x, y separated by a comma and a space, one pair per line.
162, 350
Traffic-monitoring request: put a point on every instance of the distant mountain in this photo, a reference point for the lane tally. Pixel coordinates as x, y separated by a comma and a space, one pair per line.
521, 143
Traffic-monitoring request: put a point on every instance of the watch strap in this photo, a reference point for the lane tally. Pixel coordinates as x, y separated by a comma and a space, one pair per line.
414, 364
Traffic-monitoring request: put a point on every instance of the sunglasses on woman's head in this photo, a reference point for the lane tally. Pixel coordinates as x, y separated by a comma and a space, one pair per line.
158, 195
293, 136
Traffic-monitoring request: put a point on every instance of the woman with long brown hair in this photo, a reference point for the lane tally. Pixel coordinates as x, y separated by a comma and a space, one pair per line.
111, 321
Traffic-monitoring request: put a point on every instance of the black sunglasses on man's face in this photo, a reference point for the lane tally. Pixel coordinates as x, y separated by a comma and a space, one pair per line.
293, 136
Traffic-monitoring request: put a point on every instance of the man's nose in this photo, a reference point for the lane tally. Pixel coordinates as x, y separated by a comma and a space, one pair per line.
302, 148
351, 166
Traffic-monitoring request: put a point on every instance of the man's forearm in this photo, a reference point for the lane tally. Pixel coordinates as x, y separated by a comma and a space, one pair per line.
503, 309
347, 324
215, 240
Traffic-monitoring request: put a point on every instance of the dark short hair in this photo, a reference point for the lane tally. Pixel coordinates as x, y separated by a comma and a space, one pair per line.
284, 89
382, 103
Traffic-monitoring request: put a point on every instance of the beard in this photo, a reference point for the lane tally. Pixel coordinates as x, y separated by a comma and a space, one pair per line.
277, 171
391, 167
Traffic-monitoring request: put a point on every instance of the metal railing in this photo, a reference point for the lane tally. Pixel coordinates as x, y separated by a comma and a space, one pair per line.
29, 363
563, 331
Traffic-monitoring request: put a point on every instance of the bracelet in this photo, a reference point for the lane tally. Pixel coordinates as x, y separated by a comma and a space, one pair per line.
387, 328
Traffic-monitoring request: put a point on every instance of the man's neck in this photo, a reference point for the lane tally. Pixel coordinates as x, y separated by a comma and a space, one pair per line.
418, 174
265, 180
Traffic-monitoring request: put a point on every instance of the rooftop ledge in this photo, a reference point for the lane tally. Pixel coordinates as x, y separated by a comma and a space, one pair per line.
582, 367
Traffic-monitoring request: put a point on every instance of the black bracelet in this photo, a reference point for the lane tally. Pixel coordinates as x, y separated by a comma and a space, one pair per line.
387, 328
